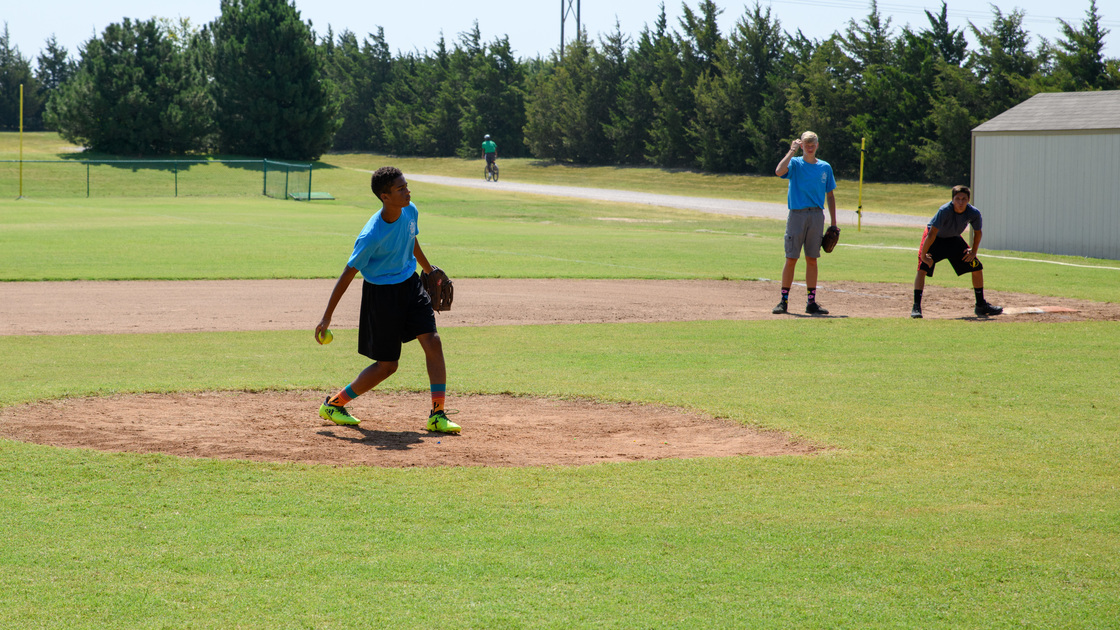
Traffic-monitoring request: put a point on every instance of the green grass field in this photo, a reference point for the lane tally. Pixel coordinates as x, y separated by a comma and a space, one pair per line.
70, 180
973, 481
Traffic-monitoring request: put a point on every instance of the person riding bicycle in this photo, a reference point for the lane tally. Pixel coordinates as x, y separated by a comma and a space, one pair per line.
489, 150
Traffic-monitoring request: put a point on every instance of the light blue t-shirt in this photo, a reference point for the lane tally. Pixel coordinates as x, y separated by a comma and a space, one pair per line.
384, 252
950, 224
808, 183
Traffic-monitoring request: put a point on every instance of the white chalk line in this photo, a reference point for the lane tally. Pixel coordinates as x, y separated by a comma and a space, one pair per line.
987, 255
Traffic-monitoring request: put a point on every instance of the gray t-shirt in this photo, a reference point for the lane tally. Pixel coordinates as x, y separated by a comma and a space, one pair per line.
950, 224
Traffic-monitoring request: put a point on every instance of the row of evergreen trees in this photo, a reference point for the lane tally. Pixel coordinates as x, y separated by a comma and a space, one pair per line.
698, 99
253, 82
258, 81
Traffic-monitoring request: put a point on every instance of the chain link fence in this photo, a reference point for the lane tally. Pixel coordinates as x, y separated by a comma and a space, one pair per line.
155, 178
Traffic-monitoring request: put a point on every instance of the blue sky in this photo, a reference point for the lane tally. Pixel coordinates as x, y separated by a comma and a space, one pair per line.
533, 26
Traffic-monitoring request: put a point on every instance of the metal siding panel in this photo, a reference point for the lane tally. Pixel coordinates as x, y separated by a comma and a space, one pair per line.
1102, 190
1106, 197
1064, 183
989, 193
1056, 194
1035, 150
1111, 201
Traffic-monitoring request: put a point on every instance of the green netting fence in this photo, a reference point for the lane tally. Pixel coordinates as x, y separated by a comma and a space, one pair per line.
156, 178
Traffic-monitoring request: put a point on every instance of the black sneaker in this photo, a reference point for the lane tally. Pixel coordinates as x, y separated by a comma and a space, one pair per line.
813, 308
781, 309
985, 309
916, 312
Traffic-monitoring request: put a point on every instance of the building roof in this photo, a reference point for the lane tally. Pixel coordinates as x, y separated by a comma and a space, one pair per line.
1060, 111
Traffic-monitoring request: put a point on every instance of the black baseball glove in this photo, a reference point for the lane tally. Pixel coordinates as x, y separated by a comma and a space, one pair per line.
439, 288
830, 239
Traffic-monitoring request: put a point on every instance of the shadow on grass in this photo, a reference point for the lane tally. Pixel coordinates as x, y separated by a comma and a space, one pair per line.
171, 163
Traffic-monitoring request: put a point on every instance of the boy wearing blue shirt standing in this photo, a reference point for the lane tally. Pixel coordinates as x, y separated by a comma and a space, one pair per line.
395, 307
942, 240
810, 186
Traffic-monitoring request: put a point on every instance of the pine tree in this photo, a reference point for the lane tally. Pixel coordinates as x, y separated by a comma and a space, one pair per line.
494, 101
361, 73
764, 59
945, 154
1003, 63
134, 93
672, 102
823, 99
54, 69
868, 42
557, 123
271, 92
949, 43
15, 70
54, 66
1080, 53
609, 69
631, 118
714, 128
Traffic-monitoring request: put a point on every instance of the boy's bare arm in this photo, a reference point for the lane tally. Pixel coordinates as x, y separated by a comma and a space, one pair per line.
348, 274
923, 250
970, 254
783, 166
421, 258
831, 199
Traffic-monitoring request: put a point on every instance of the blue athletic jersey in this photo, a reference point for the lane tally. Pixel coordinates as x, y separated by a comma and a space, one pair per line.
384, 252
808, 183
949, 223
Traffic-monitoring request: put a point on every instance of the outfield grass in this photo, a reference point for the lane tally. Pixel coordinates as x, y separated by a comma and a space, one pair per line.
912, 199
972, 481
474, 233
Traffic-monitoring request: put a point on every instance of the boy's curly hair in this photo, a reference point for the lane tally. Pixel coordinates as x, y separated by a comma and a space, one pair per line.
383, 179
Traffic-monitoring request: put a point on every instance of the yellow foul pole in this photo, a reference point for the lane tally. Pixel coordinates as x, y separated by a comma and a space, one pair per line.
859, 208
21, 141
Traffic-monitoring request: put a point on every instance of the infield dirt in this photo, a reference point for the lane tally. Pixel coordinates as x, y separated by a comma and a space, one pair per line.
284, 426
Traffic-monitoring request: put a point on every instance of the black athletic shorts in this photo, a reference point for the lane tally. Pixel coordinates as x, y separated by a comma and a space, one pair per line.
392, 315
490, 157
951, 249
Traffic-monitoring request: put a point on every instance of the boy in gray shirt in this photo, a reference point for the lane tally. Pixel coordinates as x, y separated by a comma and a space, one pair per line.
942, 240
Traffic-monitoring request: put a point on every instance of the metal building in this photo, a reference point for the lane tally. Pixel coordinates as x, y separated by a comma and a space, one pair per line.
1046, 175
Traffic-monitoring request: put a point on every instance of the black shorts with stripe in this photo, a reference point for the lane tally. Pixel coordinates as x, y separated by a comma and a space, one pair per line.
392, 315
952, 249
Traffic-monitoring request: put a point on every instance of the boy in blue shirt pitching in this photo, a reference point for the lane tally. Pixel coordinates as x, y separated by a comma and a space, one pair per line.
942, 240
395, 307
810, 186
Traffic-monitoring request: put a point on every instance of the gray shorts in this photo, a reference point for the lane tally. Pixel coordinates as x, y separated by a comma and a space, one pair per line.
804, 229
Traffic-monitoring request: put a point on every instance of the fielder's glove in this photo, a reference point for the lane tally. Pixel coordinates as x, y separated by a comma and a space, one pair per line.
831, 237
439, 288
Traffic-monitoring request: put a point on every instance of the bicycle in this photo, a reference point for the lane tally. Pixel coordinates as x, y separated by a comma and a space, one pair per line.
491, 172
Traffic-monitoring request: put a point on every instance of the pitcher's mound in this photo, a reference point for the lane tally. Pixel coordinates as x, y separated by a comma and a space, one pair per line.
286, 427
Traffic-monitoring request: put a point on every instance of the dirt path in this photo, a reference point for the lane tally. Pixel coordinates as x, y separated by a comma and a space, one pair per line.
284, 426
61, 308
735, 207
